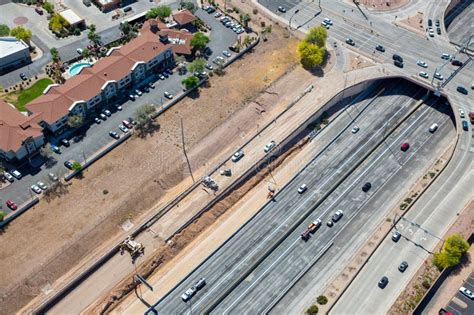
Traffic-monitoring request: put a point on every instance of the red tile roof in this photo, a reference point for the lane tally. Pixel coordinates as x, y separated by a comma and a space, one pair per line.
184, 17
16, 127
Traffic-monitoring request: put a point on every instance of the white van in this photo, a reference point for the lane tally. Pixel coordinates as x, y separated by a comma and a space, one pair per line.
433, 127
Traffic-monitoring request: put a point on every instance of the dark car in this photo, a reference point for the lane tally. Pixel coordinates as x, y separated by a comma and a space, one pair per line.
403, 266
39, 11
305, 235
398, 63
350, 41
380, 48
200, 284
438, 30
23, 76
397, 57
455, 62
396, 236
11, 205
383, 282
210, 10
366, 187
281, 9
337, 216
465, 126
65, 142
68, 164
437, 22
114, 134
405, 146
430, 22
462, 89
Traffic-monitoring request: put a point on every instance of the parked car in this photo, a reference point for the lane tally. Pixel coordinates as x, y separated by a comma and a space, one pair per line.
421, 63
165, 74
302, 188
462, 114
380, 48
437, 22
127, 124
53, 177
131, 120
446, 56
269, 146
366, 187
102, 116
209, 67
237, 156
457, 63
330, 223
114, 134
438, 76
9, 177
438, 31
107, 112
337, 216
39, 11
151, 85
396, 236
55, 149
42, 185
11, 204
123, 128
210, 9
423, 74
467, 292
217, 14
168, 95
398, 63
397, 57
430, 32
68, 164
36, 189
403, 266
16, 174
281, 9
465, 126
405, 146
355, 129
350, 41
138, 92
23, 76
430, 22
65, 142
226, 53
118, 107
79, 51
97, 120
383, 282
462, 90
131, 97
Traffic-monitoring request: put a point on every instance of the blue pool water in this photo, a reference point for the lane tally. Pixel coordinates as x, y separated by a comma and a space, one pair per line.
77, 67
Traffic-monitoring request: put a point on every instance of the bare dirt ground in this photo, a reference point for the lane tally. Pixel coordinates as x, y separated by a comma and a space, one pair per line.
415, 290
414, 23
383, 5
51, 238
356, 61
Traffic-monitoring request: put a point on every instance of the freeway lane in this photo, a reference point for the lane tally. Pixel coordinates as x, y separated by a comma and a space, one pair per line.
275, 218
284, 264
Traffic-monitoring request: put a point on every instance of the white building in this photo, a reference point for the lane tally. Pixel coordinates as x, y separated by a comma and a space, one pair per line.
13, 54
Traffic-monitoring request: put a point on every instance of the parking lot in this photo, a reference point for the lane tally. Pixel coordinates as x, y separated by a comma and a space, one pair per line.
95, 136
461, 304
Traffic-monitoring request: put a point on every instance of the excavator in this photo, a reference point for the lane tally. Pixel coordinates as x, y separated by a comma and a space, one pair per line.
134, 248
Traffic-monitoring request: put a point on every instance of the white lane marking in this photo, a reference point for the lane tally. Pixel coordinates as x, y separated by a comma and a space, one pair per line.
295, 211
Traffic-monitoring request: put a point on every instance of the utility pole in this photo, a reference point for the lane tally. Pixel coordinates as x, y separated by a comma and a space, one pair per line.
184, 150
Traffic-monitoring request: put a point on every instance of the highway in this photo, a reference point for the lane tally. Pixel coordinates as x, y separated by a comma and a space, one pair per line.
233, 262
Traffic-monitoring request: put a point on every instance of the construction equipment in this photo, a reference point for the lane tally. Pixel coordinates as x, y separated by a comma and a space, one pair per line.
134, 248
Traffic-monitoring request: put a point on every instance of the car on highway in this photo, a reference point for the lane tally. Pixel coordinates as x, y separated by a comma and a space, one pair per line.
465, 126
350, 41
383, 282
42, 185
168, 95
200, 284
421, 63
55, 149
114, 134
97, 120
269, 146
467, 292
405, 146
446, 56
188, 294
281, 9
337, 216
314, 226
237, 156
36, 189
16, 174
11, 204
423, 74
355, 129
9, 177
430, 22
397, 57
396, 236
462, 90
305, 235
438, 76
433, 128
456, 62
398, 63
68, 164
302, 188
403, 266
330, 223
123, 128
366, 187
53, 177
380, 48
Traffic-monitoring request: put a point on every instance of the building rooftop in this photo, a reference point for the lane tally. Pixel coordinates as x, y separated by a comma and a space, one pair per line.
15, 127
10, 45
184, 17
71, 16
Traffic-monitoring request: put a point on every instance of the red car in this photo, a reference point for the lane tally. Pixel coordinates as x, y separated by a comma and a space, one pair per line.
405, 146
455, 62
11, 204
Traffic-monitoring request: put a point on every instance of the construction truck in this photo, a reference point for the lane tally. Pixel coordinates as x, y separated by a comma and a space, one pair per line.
134, 248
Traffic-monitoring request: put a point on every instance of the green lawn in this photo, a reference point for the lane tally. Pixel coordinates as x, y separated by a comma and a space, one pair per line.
26, 96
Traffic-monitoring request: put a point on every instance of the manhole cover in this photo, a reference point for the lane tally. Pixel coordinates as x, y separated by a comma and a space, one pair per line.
20, 20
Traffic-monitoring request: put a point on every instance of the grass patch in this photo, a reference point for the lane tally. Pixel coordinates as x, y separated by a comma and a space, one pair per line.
29, 94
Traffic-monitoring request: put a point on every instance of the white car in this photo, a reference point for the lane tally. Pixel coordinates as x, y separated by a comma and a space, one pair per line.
467, 292
302, 188
36, 189
269, 146
97, 120
421, 63
168, 95
226, 53
16, 174
102, 116
328, 21
462, 114
138, 92
438, 76
431, 32
238, 155
118, 107
9, 177
53, 177
423, 74
355, 129
446, 56
79, 51
123, 128
107, 112
42, 185
188, 294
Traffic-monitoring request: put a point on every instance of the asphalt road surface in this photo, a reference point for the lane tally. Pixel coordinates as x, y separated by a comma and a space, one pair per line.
235, 272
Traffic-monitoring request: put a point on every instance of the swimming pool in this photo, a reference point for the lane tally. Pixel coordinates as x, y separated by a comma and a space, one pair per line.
76, 68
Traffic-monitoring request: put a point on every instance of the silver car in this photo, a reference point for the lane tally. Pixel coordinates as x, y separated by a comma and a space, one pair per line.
36, 189
269, 146
423, 74
237, 155
42, 185
123, 128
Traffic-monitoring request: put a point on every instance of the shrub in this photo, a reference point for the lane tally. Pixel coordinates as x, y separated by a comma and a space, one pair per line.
312, 310
255, 11
105, 191
322, 300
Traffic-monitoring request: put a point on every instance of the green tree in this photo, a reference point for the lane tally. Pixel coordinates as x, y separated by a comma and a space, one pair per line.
197, 65
76, 166
93, 37
86, 53
188, 5
451, 254
49, 7
199, 41
245, 19
128, 30
21, 33
247, 41
57, 23
312, 310
55, 54
190, 82
145, 124
317, 36
322, 300
75, 121
4, 30
2, 216
161, 12
311, 55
